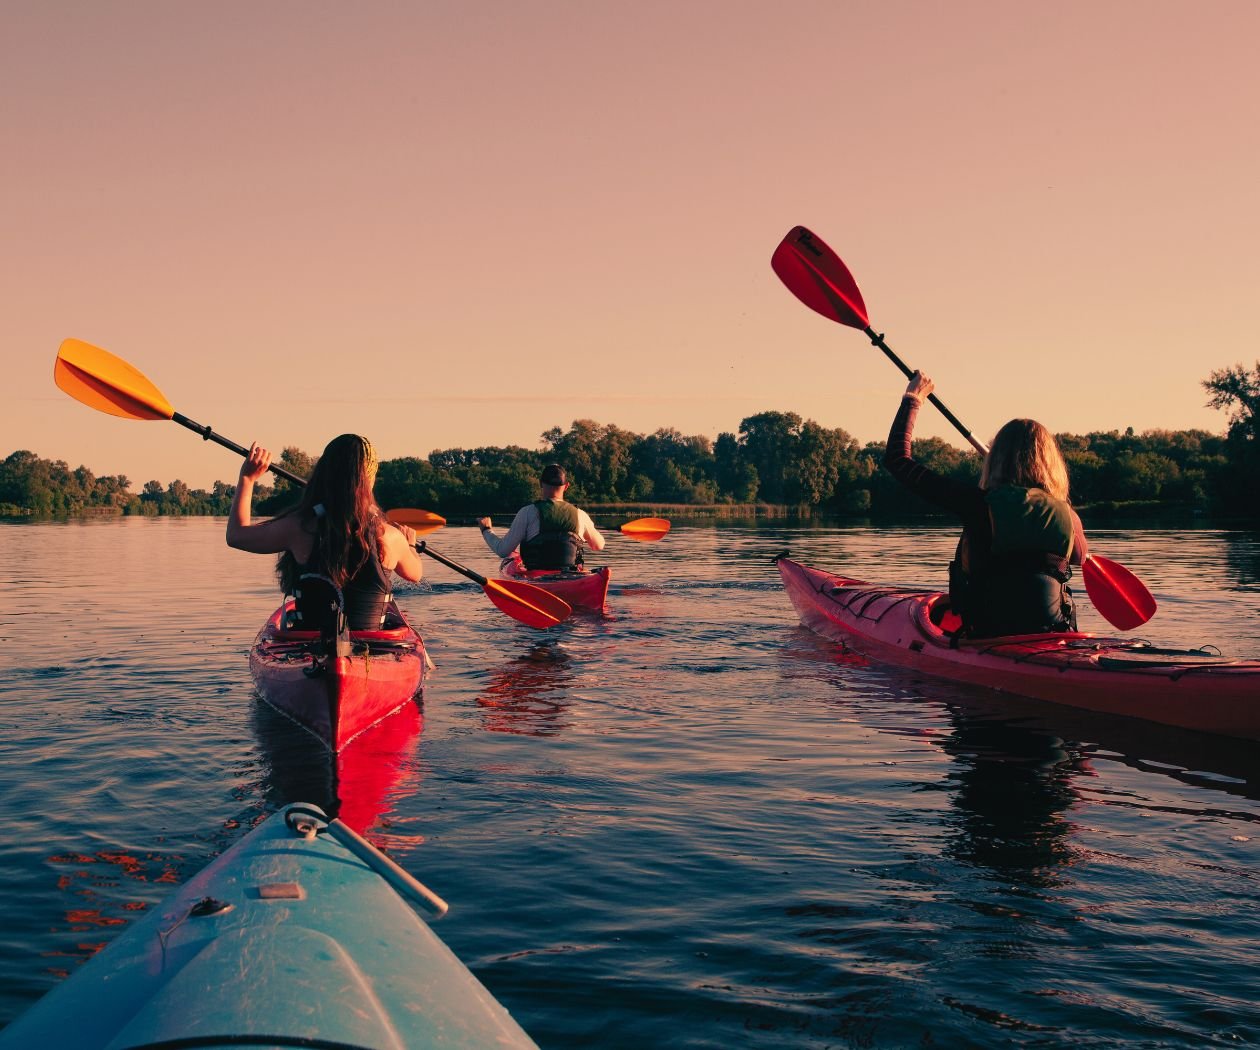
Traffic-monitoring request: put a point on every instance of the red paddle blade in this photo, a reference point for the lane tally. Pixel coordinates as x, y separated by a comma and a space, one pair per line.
531, 605
817, 277
645, 530
1119, 596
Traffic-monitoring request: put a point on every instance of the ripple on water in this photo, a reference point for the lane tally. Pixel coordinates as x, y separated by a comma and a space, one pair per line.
689, 824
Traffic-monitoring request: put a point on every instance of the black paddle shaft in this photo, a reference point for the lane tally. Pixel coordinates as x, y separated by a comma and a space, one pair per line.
878, 339
463, 570
209, 435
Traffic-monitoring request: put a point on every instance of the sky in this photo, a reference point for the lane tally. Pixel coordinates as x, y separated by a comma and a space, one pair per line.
452, 224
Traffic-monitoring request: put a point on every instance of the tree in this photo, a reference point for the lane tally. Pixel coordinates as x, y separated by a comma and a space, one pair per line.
408, 482
823, 457
1237, 391
768, 442
595, 455
1143, 475
676, 469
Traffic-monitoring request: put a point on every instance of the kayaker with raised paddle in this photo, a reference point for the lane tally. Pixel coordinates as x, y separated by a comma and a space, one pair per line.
1020, 534
549, 532
335, 533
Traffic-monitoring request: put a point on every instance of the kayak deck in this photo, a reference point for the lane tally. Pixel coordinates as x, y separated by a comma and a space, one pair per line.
585, 590
296, 936
1194, 689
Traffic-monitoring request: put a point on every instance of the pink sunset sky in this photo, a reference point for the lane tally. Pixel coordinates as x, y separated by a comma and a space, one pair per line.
454, 224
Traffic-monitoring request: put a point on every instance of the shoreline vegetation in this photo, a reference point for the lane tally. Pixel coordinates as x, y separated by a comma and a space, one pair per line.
1145, 512
777, 465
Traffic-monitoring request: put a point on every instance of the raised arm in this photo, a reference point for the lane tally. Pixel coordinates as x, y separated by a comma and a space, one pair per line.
919, 479
267, 537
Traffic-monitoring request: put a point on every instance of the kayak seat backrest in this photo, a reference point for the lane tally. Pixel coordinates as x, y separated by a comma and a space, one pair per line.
319, 606
943, 616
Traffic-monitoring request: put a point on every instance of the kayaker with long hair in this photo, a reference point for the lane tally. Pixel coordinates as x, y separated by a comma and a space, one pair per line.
1020, 534
335, 532
549, 532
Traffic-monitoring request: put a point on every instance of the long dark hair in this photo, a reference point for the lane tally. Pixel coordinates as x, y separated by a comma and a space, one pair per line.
338, 499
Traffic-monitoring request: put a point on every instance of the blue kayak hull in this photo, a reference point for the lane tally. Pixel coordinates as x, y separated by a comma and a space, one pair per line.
290, 938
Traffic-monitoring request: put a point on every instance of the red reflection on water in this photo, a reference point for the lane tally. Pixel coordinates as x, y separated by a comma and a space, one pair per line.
82, 919
104, 871
361, 784
849, 658
379, 769
524, 695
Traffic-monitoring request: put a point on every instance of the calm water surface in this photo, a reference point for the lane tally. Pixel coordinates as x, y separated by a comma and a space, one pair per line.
684, 825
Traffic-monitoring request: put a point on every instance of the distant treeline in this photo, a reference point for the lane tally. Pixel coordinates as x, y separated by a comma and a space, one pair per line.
775, 458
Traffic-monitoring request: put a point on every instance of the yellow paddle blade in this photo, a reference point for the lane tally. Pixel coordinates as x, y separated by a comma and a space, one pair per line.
423, 521
107, 383
645, 529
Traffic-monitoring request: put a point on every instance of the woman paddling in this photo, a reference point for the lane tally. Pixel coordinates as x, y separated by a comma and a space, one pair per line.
1020, 534
336, 533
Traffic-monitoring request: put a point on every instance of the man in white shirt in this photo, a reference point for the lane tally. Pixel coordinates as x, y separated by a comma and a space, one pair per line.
549, 532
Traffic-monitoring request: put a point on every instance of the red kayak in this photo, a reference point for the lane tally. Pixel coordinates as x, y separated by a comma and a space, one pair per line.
1188, 688
582, 590
337, 698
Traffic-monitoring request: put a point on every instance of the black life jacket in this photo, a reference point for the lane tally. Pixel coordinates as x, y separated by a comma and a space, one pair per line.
557, 546
1014, 581
366, 595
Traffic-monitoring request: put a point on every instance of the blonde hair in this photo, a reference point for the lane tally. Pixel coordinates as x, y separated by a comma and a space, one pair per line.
1025, 453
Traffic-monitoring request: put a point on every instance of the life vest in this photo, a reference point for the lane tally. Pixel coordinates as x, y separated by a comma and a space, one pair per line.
1015, 580
365, 596
557, 545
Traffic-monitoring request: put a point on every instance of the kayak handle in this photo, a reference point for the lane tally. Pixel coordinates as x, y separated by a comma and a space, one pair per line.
399, 878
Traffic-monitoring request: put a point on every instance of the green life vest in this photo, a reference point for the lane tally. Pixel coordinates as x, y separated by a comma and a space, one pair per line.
1017, 585
1029, 521
557, 545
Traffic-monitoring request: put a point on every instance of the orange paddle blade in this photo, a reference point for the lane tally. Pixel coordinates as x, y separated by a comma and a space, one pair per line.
423, 521
107, 383
529, 604
1119, 596
645, 529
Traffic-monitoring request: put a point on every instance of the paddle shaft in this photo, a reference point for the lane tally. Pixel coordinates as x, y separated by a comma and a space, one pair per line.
476, 577
878, 340
109, 384
209, 435
818, 277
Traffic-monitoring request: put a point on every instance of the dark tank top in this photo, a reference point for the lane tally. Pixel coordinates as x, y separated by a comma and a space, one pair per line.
366, 594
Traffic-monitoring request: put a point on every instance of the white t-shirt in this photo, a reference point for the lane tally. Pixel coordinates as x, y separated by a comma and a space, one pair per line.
527, 524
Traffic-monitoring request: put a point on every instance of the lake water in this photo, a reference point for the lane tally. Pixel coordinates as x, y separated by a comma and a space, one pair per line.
683, 825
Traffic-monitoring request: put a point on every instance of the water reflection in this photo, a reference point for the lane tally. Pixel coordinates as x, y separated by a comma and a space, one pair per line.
1020, 768
361, 785
1011, 788
1242, 555
529, 694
